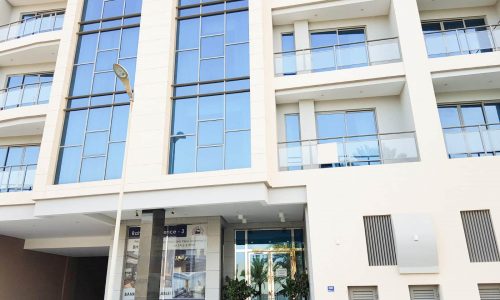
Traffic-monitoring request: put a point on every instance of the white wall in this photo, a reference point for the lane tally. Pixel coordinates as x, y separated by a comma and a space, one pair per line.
5, 10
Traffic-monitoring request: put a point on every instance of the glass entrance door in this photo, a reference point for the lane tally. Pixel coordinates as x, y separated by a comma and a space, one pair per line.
269, 272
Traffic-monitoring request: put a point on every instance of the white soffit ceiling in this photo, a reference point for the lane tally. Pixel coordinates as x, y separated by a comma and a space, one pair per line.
331, 10
448, 4
30, 2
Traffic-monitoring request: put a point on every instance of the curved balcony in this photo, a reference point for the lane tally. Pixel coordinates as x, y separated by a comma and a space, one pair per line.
336, 57
25, 95
470, 40
45, 22
362, 150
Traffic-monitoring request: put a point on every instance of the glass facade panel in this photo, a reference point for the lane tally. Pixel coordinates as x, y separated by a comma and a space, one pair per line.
25, 90
211, 106
93, 140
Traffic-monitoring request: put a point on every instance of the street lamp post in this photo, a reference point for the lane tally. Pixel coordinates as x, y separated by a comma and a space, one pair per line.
123, 76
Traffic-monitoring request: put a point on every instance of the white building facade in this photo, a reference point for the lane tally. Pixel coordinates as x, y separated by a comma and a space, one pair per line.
354, 141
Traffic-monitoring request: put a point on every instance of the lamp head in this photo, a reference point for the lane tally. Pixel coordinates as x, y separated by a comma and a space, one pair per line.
120, 71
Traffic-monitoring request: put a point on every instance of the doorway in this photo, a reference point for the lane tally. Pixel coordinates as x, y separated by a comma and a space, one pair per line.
267, 258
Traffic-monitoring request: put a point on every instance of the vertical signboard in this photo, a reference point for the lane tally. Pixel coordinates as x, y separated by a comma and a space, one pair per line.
183, 274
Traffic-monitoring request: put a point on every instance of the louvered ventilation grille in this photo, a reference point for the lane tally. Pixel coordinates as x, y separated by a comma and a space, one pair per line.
489, 291
480, 236
363, 293
380, 241
424, 293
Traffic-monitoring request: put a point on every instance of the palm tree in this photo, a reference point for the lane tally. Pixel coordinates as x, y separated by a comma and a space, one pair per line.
258, 271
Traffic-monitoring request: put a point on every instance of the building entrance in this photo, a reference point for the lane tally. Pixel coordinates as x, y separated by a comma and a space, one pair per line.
267, 258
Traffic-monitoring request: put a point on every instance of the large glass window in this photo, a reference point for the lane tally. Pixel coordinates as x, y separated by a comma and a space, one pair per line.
211, 106
93, 141
471, 129
338, 49
354, 134
17, 168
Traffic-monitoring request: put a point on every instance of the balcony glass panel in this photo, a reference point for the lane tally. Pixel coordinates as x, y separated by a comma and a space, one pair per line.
17, 168
349, 151
32, 24
457, 37
334, 57
25, 95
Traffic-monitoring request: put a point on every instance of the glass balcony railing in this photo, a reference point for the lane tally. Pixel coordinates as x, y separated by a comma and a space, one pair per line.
349, 151
17, 179
463, 41
25, 95
472, 141
344, 56
49, 21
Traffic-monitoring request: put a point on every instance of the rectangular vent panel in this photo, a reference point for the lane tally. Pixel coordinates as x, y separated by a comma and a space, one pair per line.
422, 292
480, 236
380, 241
489, 291
363, 293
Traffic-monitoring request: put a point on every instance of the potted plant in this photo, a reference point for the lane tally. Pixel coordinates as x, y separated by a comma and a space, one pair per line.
235, 289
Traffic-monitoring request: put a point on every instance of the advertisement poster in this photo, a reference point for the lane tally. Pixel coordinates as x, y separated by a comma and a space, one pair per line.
183, 274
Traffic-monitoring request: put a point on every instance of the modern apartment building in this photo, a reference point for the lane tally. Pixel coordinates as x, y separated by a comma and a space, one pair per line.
356, 141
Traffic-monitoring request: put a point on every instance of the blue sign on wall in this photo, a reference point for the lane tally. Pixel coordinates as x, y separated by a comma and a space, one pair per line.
331, 289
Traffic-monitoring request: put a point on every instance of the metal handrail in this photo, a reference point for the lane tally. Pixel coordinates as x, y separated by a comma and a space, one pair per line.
464, 28
472, 126
378, 135
338, 45
7, 35
21, 89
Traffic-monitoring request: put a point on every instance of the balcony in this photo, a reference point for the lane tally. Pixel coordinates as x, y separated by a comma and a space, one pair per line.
17, 168
336, 57
45, 22
471, 40
472, 141
25, 95
349, 151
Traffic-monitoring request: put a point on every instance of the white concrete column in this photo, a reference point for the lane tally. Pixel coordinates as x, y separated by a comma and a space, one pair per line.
301, 34
419, 89
307, 120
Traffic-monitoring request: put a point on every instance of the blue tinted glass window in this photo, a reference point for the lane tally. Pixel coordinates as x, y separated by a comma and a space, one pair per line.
189, 61
211, 107
212, 69
68, 169
237, 150
472, 115
82, 80
360, 123
237, 61
237, 27
492, 113
130, 41
93, 139
114, 161
188, 34
330, 125
210, 159
86, 48
212, 127
212, 46
210, 133
183, 154
449, 117
212, 25
238, 111
292, 127
184, 117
